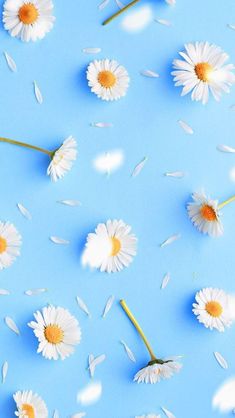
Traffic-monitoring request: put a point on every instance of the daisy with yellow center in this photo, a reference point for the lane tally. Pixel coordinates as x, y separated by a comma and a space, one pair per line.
213, 308
10, 243
29, 405
111, 248
156, 369
203, 70
107, 79
28, 20
205, 213
58, 332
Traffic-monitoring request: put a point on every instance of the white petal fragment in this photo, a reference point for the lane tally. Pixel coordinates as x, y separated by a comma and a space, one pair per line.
4, 292
139, 167
24, 211
79, 415
90, 394
37, 93
83, 306
230, 26
168, 413
10, 62
170, 240
119, 4
163, 22
165, 280
91, 50
176, 174
12, 325
108, 162
72, 203
221, 360
171, 2
58, 240
108, 306
94, 361
225, 148
103, 4
102, 124
35, 292
128, 351
187, 128
149, 73
56, 414
4, 371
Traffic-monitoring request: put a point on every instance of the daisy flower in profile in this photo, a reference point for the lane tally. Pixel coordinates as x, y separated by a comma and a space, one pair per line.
156, 369
10, 242
108, 79
203, 70
28, 20
213, 308
111, 248
57, 331
62, 159
29, 405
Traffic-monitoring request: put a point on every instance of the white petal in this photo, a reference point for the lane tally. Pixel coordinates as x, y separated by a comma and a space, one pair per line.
139, 167
108, 306
225, 148
90, 394
102, 125
58, 240
163, 22
91, 50
35, 292
12, 325
185, 127
94, 362
4, 371
56, 414
149, 73
108, 162
231, 26
79, 415
24, 211
119, 4
10, 62
103, 4
165, 280
176, 174
83, 306
224, 398
4, 292
128, 351
170, 240
37, 93
168, 413
70, 202
221, 360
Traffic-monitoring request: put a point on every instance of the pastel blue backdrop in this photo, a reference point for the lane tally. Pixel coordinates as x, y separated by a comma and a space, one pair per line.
144, 124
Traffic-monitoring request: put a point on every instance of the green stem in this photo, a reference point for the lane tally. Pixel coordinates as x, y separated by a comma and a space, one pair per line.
120, 12
226, 202
23, 144
138, 328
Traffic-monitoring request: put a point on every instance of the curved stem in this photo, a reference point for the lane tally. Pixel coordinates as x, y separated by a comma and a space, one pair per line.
24, 144
120, 12
226, 202
138, 328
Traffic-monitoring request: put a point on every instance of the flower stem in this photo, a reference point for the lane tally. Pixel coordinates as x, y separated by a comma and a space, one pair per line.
23, 144
119, 12
138, 328
226, 202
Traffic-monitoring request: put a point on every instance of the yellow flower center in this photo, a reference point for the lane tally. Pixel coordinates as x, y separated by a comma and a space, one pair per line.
54, 334
214, 309
203, 71
116, 246
208, 213
107, 79
3, 245
28, 13
28, 410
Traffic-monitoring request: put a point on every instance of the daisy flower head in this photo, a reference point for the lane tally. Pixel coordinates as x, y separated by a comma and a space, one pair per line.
204, 214
10, 242
111, 248
213, 308
62, 159
28, 20
108, 79
57, 331
29, 405
156, 370
203, 70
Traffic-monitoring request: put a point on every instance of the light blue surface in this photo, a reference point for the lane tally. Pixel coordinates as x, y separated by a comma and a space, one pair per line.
145, 124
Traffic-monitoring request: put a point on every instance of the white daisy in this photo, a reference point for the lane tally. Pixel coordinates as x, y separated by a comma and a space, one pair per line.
202, 70
157, 370
62, 159
108, 79
10, 242
29, 405
28, 20
57, 332
204, 214
213, 308
111, 248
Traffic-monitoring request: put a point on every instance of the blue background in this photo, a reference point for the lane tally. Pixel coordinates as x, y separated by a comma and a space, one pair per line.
145, 124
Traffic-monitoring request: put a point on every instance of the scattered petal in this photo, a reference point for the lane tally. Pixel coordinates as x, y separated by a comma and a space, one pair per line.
225, 148
185, 127
12, 325
119, 4
103, 4
58, 240
138, 19
91, 50
163, 22
83, 306
79, 415
149, 73
109, 161
10, 62
221, 360
94, 361
128, 351
170, 240
90, 394
4, 371
35, 292
171, 2
168, 413
139, 167
231, 26
165, 280
108, 306
56, 414
4, 292
176, 174
24, 211
102, 125
224, 399
37, 93
70, 202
